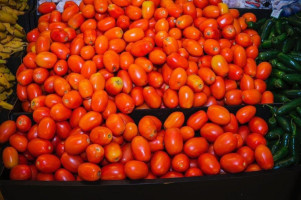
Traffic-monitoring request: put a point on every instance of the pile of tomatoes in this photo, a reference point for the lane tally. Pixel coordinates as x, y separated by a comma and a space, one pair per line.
90, 66
121, 55
209, 143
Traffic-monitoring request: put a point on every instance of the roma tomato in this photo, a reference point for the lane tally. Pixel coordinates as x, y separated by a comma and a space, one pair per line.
247, 153
196, 146
46, 128
147, 128
47, 163
180, 162
218, 114
10, 157
264, 157
251, 96
141, 149
209, 164
255, 139
7, 129
20, 172
99, 101
174, 120
114, 171
71, 162
76, 144
211, 131
245, 114
173, 141
258, 125
63, 175
233, 163
160, 163
59, 112
135, 169
225, 143
186, 97
89, 172
197, 120
113, 152
116, 124
219, 65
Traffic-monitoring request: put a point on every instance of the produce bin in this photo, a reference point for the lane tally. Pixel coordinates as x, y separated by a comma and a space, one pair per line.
272, 184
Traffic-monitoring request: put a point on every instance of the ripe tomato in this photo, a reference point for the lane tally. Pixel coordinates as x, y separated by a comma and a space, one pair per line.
264, 70
48, 163
208, 164
245, 114
113, 152
255, 139
71, 162
10, 157
174, 120
196, 146
264, 157
211, 47
233, 97
114, 171
180, 162
135, 169
267, 97
20, 172
247, 153
197, 120
89, 171
90, 120
160, 163
76, 144
46, 128
186, 97
63, 175
211, 131
116, 124
7, 128
233, 163
253, 168
141, 149
173, 141
95, 153
251, 96
240, 57
225, 143
258, 125
218, 114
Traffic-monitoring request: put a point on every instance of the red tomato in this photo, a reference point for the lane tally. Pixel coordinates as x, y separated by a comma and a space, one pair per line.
47, 163
173, 141
245, 114
258, 125
20, 172
113, 152
180, 162
264, 157
76, 144
23, 123
197, 120
89, 172
209, 164
194, 147
247, 153
232, 126
70, 162
225, 143
114, 171
255, 139
141, 149
218, 114
63, 175
135, 169
233, 163
211, 131
160, 163
90, 120
38, 147
95, 153
46, 128
10, 157
7, 128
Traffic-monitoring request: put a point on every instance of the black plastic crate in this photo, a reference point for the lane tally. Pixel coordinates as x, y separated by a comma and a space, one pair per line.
271, 184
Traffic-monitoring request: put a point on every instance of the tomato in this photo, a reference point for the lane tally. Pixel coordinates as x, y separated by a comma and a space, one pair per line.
114, 171
77, 113
90, 120
195, 146
141, 149
246, 82
46, 128
21, 92
160, 163
135, 169
207, 75
193, 47
255, 139
250, 68
264, 157
177, 78
208, 164
218, 88
211, 131
138, 75
25, 77
59, 112
76, 144
174, 120
7, 128
197, 120
170, 98
233, 163
131, 130
245, 114
186, 97
46, 7
72, 99
247, 153
220, 65
63, 175
23, 123
193, 171
253, 168
258, 125
267, 97
264, 70
116, 124
180, 162
225, 143
218, 114
89, 171
47, 163
10, 157
147, 128
211, 47
240, 57
251, 96
233, 97
151, 97
71, 162
113, 152
260, 85
20, 172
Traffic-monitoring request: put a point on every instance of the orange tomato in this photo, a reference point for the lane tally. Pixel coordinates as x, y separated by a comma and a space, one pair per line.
218, 114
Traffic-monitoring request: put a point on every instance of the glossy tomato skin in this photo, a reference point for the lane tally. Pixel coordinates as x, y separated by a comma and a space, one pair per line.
218, 114
7, 128
47, 163
233, 163
264, 157
245, 114
113, 152
197, 120
211, 131
173, 141
225, 143
76, 144
141, 149
63, 175
258, 125
89, 171
114, 171
247, 153
196, 146
209, 164
71, 162
136, 169
160, 163
39, 146
255, 139
10, 157
20, 172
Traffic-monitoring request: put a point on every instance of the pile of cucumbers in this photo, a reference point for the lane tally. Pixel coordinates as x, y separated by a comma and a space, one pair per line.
281, 46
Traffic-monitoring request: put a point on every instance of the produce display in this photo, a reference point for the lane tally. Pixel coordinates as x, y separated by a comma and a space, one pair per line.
12, 37
88, 68
281, 46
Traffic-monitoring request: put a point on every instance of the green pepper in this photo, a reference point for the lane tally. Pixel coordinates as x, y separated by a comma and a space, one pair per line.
284, 123
294, 147
296, 119
298, 109
278, 26
284, 150
279, 98
290, 62
288, 45
268, 55
278, 65
288, 107
275, 147
291, 93
274, 133
285, 163
277, 73
292, 78
276, 83
266, 29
